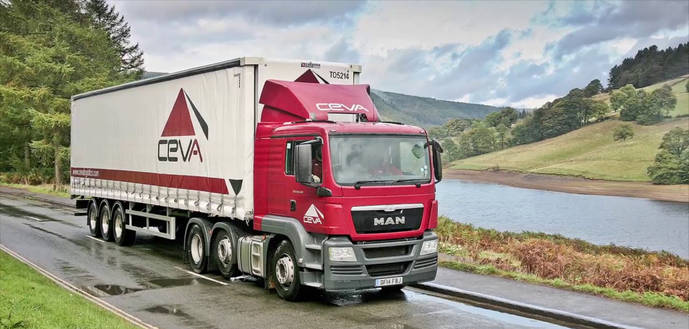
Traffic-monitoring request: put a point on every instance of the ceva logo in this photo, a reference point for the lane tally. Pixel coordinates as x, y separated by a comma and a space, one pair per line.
313, 216
178, 141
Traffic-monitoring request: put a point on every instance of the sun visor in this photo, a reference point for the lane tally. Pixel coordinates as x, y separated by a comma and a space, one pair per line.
316, 101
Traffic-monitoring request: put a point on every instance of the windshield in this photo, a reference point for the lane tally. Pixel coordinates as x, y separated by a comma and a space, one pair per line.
385, 159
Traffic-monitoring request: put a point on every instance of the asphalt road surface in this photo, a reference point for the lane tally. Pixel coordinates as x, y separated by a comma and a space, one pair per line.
150, 281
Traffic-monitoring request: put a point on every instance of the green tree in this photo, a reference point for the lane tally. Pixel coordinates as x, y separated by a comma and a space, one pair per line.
593, 88
623, 132
501, 135
507, 117
451, 151
671, 165
105, 17
599, 110
663, 99
49, 52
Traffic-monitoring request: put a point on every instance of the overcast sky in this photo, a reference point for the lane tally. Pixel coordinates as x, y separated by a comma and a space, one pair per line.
500, 53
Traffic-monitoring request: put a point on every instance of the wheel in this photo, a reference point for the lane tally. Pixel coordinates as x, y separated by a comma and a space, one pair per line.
105, 221
392, 289
92, 219
285, 272
122, 235
195, 247
223, 253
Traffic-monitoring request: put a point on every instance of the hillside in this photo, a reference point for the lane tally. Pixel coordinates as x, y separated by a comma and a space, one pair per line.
588, 152
678, 89
424, 111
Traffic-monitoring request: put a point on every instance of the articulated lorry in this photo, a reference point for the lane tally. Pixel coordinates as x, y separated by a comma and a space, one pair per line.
280, 170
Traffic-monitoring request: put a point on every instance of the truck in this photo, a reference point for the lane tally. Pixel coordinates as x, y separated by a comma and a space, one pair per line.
278, 170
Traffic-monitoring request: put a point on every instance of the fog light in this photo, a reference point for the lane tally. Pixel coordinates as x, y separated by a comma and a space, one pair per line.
429, 247
341, 254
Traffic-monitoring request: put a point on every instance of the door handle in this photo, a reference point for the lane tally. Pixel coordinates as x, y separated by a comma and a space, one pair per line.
292, 205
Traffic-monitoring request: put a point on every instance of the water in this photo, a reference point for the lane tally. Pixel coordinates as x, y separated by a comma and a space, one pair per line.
632, 222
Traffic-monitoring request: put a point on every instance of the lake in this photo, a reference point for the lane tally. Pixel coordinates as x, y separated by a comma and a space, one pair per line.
624, 221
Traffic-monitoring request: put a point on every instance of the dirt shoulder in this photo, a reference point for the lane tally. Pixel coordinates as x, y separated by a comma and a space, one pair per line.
570, 184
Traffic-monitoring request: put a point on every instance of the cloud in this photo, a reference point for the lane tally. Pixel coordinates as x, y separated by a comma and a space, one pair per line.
502, 53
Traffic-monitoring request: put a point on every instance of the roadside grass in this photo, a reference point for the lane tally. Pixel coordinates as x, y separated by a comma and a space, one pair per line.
43, 188
30, 300
658, 279
588, 152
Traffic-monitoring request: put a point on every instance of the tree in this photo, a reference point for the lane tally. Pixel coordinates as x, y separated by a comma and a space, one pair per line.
507, 117
663, 99
671, 165
501, 135
599, 110
623, 132
49, 52
593, 88
106, 18
620, 99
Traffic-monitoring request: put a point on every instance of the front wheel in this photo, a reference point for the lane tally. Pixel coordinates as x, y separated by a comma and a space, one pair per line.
195, 247
285, 272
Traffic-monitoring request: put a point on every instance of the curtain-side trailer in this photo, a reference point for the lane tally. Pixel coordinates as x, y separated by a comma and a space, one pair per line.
281, 170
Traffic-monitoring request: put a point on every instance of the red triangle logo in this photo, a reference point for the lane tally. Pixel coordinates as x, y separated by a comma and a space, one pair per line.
179, 121
311, 77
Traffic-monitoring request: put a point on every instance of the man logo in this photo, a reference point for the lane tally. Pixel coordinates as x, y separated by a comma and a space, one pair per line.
185, 145
382, 221
313, 216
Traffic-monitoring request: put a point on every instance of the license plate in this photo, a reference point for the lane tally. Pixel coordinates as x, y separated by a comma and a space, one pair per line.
388, 281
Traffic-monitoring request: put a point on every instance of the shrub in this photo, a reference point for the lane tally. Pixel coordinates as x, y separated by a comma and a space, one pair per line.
671, 165
623, 132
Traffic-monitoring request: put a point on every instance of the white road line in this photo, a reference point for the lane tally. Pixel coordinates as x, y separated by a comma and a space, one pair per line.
132, 319
202, 276
92, 238
34, 218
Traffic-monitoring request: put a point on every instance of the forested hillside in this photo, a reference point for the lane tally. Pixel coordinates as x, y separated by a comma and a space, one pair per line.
425, 111
649, 66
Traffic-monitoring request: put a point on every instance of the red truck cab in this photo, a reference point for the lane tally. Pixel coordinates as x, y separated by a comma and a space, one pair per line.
356, 196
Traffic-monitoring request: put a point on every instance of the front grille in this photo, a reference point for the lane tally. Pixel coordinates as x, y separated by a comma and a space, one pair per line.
387, 269
346, 269
380, 221
427, 262
387, 251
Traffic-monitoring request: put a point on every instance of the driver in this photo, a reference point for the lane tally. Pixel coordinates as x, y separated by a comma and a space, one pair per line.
383, 166
317, 164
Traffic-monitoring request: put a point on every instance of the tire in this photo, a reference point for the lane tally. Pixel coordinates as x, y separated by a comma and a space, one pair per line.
122, 235
285, 272
93, 219
105, 221
195, 249
224, 253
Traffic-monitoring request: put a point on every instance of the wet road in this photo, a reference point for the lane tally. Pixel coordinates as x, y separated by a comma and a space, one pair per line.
150, 281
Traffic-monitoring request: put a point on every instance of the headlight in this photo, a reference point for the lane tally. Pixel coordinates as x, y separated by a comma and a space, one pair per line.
341, 254
429, 247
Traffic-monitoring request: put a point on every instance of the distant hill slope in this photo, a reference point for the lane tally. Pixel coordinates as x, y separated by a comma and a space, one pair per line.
588, 152
424, 111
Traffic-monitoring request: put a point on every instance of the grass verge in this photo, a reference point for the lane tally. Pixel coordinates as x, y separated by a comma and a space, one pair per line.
657, 279
30, 300
44, 189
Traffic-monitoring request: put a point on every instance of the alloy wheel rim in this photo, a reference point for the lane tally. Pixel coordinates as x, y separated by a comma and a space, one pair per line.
225, 251
284, 270
105, 223
118, 225
196, 248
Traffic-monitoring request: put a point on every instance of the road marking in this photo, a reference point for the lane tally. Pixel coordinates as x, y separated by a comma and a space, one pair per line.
202, 276
92, 238
34, 218
132, 319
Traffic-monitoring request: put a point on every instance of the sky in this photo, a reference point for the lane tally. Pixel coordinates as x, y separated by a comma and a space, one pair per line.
503, 53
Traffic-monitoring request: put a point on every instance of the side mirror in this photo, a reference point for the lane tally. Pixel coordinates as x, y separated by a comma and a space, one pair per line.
437, 160
302, 164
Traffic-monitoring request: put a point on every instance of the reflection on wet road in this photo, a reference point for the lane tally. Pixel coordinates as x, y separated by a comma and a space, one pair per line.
147, 281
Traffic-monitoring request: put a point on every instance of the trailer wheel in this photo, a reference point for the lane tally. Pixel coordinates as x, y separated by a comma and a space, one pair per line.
123, 236
285, 272
195, 247
223, 253
93, 219
105, 221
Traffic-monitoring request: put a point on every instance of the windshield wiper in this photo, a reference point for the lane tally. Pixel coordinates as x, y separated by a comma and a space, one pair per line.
358, 184
417, 180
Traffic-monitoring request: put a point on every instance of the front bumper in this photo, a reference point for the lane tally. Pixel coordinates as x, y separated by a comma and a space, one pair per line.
378, 260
